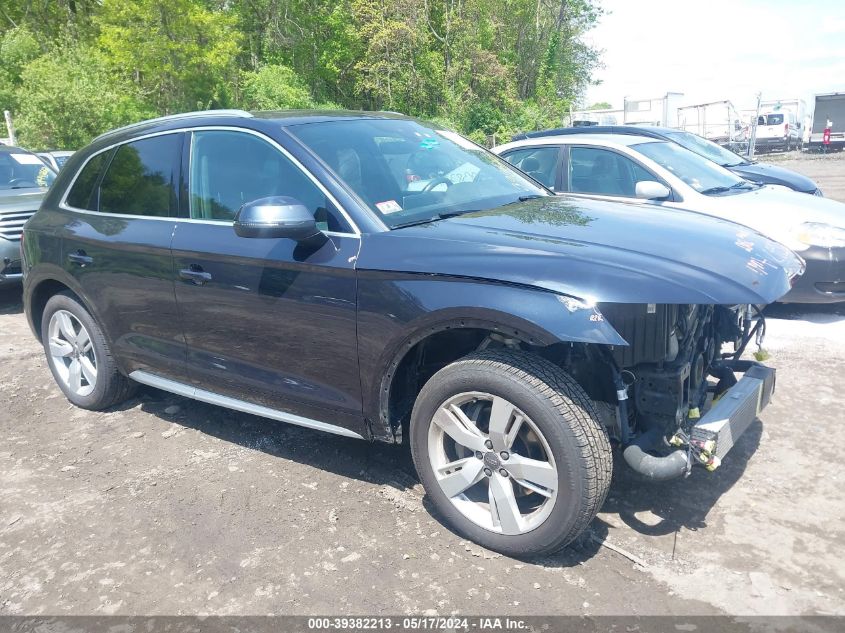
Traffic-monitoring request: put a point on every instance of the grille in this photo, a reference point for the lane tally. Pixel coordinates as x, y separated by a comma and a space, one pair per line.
11, 224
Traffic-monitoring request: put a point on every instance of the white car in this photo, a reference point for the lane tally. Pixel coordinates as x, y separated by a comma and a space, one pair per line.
657, 172
55, 158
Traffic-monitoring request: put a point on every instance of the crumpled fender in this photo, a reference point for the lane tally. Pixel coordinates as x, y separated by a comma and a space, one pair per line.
396, 311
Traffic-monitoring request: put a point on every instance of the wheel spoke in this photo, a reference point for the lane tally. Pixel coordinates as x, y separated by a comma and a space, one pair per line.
60, 347
503, 508
459, 427
457, 481
88, 370
75, 375
66, 326
504, 424
532, 471
83, 341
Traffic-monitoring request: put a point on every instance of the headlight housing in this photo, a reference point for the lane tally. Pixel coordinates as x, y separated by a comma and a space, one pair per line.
818, 234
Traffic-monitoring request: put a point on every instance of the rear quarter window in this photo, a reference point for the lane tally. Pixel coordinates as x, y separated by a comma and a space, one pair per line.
81, 194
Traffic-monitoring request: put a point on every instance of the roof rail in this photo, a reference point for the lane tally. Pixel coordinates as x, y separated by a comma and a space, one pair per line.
176, 117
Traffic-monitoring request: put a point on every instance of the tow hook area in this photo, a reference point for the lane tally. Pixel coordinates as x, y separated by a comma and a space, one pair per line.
710, 437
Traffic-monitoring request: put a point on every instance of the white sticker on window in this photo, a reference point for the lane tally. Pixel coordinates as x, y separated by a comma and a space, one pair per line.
388, 206
26, 159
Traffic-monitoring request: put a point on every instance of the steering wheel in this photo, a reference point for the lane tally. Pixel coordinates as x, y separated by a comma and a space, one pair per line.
21, 181
440, 180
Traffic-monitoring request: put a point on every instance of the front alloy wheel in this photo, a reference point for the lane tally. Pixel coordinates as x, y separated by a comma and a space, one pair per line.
493, 463
510, 451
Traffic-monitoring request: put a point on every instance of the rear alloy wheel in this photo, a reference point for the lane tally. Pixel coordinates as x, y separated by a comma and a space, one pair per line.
510, 451
80, 357
72, 353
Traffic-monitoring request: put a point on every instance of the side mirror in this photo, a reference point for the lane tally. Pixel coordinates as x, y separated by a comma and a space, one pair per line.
651, 190
276, 217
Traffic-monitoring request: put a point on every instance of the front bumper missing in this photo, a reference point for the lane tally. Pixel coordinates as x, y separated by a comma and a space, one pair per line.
720, 428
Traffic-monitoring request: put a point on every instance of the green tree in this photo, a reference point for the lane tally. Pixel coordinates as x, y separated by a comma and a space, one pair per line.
18, 47
69, 96
181, 53
275, 87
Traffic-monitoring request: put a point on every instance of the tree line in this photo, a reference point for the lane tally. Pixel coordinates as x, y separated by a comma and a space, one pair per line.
72, 69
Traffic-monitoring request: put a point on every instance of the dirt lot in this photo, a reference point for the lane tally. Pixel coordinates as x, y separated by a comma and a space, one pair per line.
168, 506
828, 170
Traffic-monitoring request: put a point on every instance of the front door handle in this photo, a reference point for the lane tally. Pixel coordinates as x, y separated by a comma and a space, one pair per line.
196, 274
79, 257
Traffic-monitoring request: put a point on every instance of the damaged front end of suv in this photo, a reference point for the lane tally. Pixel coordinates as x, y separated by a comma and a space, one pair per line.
648, 312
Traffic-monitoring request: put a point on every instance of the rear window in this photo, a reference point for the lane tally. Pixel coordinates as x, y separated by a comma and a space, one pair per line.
774, 119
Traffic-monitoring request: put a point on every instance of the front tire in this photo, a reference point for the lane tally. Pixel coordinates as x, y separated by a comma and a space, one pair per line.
79, 355
510, 451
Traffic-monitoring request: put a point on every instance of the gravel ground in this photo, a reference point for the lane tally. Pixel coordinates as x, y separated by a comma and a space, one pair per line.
167, 506
828, 170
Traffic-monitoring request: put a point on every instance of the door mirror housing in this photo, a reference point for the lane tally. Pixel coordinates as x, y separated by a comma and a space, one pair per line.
276, 217
652, 190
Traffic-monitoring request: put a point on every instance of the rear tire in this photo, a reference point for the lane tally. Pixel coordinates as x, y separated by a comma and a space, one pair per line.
532, 496
79, 356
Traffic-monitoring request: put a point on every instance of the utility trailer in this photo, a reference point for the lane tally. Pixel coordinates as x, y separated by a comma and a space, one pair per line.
717, 121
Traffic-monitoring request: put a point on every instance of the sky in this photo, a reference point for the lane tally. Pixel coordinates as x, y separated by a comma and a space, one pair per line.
719, 49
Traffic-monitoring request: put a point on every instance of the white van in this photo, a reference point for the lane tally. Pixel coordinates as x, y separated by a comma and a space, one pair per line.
777, 129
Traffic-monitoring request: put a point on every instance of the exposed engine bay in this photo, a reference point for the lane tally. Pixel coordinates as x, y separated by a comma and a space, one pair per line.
677, 365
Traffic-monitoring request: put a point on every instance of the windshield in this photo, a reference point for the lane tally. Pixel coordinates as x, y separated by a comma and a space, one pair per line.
708, 149
699, 173
408, 172
20, 170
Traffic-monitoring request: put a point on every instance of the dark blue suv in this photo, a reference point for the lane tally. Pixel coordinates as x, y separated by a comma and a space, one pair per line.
385, 279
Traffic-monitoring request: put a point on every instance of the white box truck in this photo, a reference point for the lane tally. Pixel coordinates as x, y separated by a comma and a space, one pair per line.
828, 113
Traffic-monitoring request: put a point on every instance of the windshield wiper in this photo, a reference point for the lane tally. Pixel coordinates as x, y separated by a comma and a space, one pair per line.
434, 218
719, 189
530, 196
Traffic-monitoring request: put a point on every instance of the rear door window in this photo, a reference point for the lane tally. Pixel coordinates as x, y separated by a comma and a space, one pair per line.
141, 178
774, 119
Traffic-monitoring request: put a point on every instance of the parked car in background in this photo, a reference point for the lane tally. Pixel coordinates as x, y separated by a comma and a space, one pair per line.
630, 167
56, 158
292, 266
23, 180
750, 170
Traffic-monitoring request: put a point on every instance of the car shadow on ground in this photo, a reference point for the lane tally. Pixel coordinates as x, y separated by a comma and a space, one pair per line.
668, 506
814, 313
377, 463
10, 300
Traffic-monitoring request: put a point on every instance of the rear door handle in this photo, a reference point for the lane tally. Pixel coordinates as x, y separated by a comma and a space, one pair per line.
79, 257
196, 274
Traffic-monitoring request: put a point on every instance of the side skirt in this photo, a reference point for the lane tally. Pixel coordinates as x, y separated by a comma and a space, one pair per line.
210, 397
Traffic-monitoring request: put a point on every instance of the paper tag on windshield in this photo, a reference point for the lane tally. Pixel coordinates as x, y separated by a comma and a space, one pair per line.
26, 159
388, 206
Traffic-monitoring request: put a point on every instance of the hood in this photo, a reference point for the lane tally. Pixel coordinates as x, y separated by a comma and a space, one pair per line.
594, 250
774, 175
18, 200
777, 212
